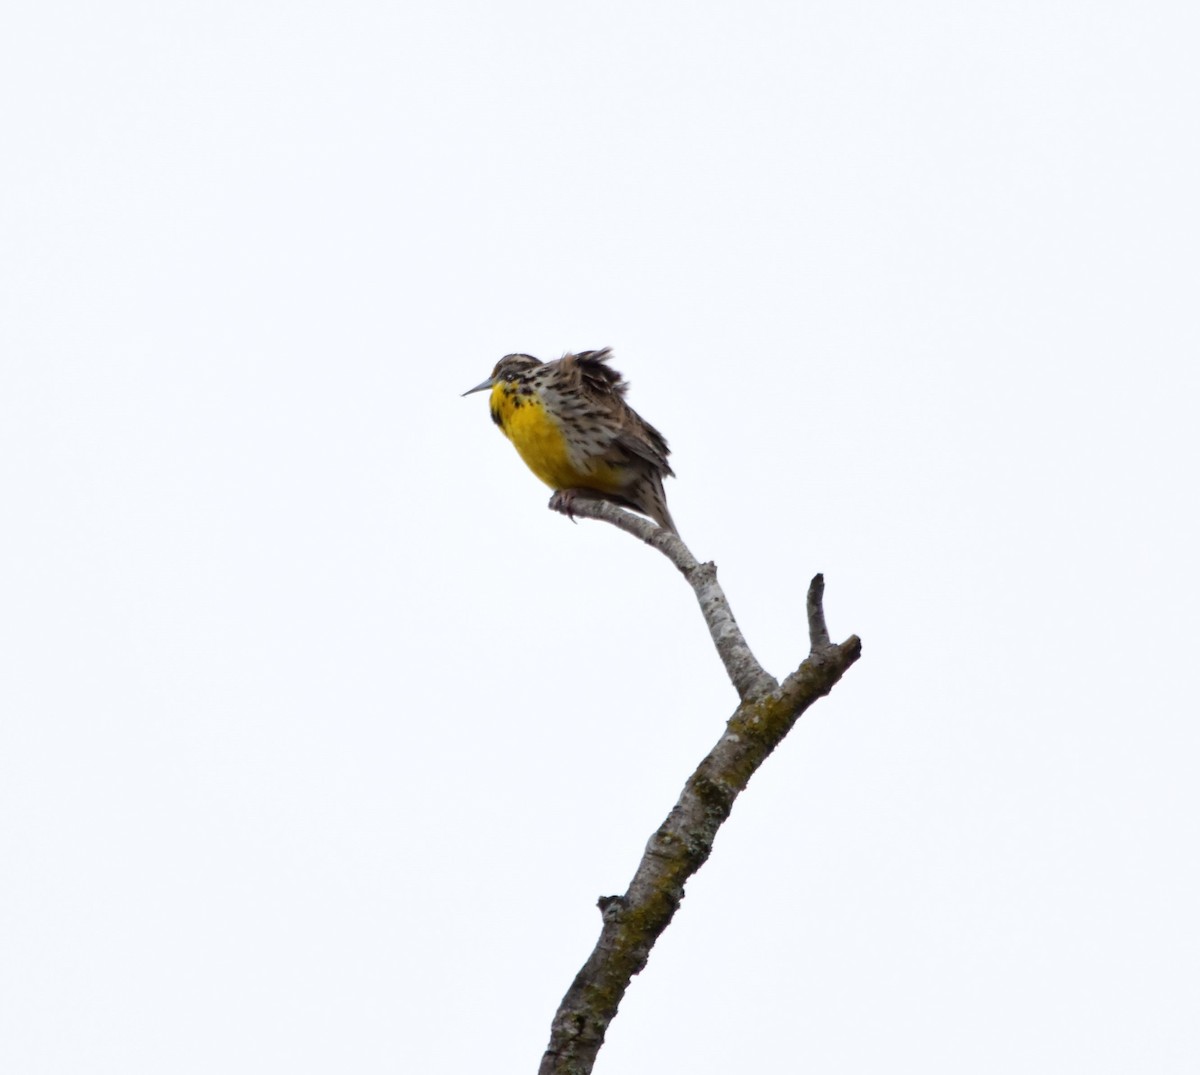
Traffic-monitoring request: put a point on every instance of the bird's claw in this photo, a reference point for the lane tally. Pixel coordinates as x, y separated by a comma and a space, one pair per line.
564, 501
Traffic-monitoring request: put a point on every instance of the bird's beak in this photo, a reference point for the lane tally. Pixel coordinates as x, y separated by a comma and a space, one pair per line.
480, 387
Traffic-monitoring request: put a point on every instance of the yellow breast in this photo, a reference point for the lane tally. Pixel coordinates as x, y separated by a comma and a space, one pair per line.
539, 439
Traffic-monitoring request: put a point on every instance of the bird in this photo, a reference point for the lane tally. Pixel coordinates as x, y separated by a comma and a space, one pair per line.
569, 422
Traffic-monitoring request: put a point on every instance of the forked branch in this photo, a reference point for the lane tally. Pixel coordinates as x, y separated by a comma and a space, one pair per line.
766, 713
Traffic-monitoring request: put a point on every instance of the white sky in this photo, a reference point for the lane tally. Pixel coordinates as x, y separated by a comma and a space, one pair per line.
320, 736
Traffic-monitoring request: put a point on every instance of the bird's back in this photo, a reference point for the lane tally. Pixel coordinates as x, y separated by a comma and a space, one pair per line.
625, 456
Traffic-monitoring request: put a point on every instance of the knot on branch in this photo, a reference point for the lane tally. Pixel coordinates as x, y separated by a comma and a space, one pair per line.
611, 907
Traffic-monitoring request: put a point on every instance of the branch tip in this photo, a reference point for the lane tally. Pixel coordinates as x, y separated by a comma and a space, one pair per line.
818, 633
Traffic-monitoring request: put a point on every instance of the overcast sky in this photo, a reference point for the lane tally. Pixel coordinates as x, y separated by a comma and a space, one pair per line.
320, 735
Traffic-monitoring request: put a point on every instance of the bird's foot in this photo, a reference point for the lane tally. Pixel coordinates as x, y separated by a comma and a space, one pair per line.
564, 501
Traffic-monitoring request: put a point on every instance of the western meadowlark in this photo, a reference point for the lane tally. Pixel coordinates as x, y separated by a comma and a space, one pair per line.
569, 421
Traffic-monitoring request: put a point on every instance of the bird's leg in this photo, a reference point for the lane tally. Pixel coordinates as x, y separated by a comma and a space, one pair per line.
564, 500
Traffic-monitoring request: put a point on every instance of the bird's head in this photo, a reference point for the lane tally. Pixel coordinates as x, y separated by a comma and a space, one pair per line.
509, 368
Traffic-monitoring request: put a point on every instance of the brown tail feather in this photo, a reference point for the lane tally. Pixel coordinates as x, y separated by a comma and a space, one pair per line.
648, 498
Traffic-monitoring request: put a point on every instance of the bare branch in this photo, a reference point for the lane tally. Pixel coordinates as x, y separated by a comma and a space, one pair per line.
634, 921
748, 677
